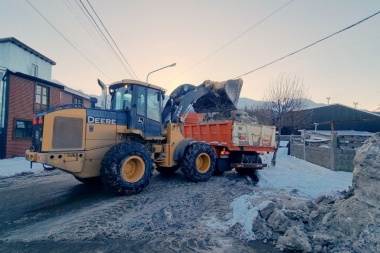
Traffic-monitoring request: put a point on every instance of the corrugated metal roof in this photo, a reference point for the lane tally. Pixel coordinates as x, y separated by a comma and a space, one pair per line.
27, 48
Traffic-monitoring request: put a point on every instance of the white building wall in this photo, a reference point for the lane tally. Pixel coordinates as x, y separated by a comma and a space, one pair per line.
17, 59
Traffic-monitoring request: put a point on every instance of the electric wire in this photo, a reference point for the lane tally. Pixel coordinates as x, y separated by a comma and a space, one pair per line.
229, 42
112, 40
89, 29
105, 38
82, 22
310, 45
67, 40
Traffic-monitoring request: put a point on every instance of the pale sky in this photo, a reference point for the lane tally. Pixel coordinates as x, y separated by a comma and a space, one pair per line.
155, 33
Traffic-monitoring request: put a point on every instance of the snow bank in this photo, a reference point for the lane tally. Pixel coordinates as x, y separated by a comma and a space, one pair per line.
299, 177
14, 166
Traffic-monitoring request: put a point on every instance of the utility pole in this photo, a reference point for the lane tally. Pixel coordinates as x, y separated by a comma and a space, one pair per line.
328, 100
355, 104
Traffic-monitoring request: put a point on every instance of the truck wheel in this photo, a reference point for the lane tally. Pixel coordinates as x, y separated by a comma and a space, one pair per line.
167, 170
126, 168
198, 163
89, 180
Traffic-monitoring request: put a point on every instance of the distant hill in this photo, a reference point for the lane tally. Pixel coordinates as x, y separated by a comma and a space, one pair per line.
375, 109
250, 103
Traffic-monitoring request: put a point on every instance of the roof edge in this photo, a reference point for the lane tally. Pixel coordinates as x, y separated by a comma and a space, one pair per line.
33, 78
27, 48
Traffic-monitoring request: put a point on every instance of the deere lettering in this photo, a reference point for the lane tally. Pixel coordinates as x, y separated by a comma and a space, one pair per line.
96, 120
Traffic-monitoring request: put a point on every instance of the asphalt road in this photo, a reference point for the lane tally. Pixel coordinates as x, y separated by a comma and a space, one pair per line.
52, 211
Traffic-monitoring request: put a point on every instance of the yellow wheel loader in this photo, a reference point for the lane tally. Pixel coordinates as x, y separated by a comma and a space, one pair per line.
120, 146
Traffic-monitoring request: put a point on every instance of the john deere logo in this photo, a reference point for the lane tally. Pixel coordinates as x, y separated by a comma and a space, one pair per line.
97, 120
140, 120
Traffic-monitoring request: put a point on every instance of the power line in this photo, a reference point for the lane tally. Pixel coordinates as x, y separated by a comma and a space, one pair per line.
312, 44
112, 39
89, 29
105, 38
229, 42
82, 22
93, 64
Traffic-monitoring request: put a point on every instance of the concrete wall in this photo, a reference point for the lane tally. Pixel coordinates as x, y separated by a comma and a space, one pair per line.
316, 155
338, 159
345, 158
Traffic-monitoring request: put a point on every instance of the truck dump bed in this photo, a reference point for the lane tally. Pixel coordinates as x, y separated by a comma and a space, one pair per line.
234, 135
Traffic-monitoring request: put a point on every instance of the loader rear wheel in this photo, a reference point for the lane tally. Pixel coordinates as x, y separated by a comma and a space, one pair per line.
167, 170
198, 163
126, 168
89, 180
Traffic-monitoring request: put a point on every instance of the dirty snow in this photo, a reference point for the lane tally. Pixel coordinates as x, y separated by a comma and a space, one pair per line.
290, 174
302, 178
290, 177
18, 165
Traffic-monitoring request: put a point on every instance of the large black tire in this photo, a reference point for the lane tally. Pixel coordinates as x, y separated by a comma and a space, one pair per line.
167, 170
90, 180
198, 163
126, 168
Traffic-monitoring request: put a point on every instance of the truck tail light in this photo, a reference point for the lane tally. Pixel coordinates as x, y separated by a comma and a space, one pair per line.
224, 152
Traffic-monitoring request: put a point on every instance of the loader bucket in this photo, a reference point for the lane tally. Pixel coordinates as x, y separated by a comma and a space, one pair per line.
223, 96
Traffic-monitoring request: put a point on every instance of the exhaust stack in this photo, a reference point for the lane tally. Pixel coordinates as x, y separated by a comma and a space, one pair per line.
104, 94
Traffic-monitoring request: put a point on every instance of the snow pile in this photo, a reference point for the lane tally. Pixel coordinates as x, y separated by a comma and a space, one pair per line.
18, 165
303, 178
346, 222
357, 219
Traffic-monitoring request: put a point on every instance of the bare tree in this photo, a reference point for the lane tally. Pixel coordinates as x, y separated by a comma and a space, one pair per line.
284, 101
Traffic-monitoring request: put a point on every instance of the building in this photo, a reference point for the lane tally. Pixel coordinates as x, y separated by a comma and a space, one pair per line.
335, 133
17, 56
25, 89
342, 117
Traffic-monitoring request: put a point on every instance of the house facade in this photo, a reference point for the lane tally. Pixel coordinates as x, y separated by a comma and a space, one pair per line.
25, 89
17, 56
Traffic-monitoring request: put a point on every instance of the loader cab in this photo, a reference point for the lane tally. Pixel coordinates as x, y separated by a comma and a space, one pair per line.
141, 102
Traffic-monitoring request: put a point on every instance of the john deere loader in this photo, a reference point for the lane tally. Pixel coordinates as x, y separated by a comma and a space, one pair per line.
120, 146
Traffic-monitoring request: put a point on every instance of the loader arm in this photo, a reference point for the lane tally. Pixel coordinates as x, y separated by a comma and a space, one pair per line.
209, 96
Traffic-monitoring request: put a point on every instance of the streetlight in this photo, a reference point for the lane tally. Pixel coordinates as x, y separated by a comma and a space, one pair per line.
171, 65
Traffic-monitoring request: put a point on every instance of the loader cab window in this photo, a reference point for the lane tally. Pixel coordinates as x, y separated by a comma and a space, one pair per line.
121, 99
141, 101
153, 110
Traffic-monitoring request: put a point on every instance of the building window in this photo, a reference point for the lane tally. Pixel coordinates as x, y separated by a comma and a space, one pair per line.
23, 129
42, 98
78, 102
34, 70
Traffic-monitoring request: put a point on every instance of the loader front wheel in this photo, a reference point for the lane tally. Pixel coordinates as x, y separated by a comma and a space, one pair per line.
198, 163
126, 168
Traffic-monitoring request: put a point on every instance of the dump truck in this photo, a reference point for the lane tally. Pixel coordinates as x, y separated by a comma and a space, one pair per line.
236, 145
120, 146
